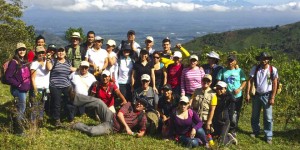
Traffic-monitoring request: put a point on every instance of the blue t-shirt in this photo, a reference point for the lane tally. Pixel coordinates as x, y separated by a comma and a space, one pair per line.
233, 78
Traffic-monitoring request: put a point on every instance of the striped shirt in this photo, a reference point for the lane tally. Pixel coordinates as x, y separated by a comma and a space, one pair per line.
59, 75
191, 79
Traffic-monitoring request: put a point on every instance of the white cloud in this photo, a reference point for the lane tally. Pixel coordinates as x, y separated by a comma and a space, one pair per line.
291, 6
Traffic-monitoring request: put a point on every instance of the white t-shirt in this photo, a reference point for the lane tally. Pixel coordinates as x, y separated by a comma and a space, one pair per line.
82, 83
111, 69
263, 80
125, 70
97, 56
42, 75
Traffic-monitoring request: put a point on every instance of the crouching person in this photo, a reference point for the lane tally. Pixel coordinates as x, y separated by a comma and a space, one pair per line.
130, 118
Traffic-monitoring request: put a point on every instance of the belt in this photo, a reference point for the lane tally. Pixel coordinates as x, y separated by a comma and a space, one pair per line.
263, 94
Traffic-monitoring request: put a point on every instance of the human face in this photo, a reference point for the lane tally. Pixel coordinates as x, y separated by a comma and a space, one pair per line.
211, 60
145, 84
139, 106
149, 44
40, 42
40, 55
144, 57
156, 58
168, 93
75, 41
183, 106
91, 38
126, 53
21, 52
98, 44
166, 46
131, 37
61, 53
109, 48
205, 83
264, 61
176, 60
84, 70
193, 63
220, 90
231, 63
105, 79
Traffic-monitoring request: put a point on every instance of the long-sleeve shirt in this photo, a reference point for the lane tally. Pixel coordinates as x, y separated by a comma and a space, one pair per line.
191, 79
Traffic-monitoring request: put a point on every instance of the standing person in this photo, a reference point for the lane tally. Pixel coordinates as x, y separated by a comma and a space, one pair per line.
265, 79
135, 47
97, 57
185, 125
212, 67
204, 102
174, 72
112, 59
40, 76
236, 81
191, 77
105, 90
142, 66
60, 84
73, 51
88, 44
39, 41
125, 65
18, 76
149, 42
221, 120
158, 73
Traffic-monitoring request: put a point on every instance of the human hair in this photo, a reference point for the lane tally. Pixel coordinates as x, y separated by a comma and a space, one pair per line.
90, 32
143, 52
166, 40
40, 37
156, 53
18, 59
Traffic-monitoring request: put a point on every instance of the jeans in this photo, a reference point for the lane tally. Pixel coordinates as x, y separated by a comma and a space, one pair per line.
258, 102
234, 114
56, 100
20, 96
194, 142
104, 113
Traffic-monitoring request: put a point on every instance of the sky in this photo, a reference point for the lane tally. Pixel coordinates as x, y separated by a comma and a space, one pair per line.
149, 5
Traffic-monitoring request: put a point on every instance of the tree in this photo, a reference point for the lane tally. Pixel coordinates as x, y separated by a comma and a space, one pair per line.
12, 28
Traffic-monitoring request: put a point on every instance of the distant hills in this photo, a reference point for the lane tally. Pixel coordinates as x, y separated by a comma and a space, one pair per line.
51, 38
285, 38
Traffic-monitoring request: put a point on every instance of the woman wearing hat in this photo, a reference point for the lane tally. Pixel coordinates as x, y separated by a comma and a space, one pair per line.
212, 67
18, 76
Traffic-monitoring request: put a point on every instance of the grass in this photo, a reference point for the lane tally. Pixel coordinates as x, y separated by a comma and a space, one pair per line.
49, 137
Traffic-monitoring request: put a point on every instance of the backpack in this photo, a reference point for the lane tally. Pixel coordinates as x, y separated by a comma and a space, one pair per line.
3, 71
279, 85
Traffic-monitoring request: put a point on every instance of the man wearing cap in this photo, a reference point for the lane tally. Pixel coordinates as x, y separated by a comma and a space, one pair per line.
112, 59
90, 38
236, 81
221, 119
105, 90
74, 52
134, 46
149, 42
204, 102
212, 67
130, 118
97, 57
265, 79
174, 72
191, 77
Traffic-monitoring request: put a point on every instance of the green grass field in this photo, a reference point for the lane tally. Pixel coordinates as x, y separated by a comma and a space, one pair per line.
49, 137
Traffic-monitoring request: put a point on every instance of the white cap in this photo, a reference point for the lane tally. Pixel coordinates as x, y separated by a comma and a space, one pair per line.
222, 84
150, 38
213, 54
75, 35
40, 49
194, 57
111, 42
84, 63
21, 45
184, 99
105, 72
98, 38
145, 77
177, 54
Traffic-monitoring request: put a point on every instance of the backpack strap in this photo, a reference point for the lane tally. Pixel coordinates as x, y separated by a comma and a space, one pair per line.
271, 72
255, 75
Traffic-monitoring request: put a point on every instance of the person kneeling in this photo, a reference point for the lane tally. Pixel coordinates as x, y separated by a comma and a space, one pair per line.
130, 117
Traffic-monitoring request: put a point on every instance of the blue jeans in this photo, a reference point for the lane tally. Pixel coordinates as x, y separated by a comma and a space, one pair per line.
38, 105
258, 102
194, 142
20, 96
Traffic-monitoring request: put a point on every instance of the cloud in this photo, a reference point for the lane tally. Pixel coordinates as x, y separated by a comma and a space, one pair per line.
177, 5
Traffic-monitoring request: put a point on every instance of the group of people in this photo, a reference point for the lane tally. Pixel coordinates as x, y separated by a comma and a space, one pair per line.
140, 90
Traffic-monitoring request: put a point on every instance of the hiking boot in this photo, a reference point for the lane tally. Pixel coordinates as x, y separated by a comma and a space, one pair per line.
58, 123
269, 141
253, 135
232, 139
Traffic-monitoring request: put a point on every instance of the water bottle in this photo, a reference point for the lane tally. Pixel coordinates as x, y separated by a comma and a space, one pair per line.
210, 140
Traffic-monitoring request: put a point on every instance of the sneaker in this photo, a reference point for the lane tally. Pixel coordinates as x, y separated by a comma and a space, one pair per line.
269, 141
253, 135
58, 123
232, 138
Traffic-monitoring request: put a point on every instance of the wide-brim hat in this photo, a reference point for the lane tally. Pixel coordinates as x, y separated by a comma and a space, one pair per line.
213, 54
76, 35
263, 55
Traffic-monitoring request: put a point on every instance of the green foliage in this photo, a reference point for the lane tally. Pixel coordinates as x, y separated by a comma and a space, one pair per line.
69, 32
12, 29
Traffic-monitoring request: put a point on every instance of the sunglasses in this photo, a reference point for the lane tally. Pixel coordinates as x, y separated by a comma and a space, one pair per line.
219, 88
40, 53
22, 49
205, 80
183, 103
85, 67
156, 57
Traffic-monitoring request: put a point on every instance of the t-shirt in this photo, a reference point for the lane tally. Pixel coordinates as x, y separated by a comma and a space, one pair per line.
97, 56
152, 97
59, 75
174, 74
125, 70
191, 79
131, 118
167, 107
42, 75
107, 96
233, 78
140, 69
82, 83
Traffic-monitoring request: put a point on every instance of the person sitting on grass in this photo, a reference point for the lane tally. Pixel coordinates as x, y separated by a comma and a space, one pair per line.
130, 118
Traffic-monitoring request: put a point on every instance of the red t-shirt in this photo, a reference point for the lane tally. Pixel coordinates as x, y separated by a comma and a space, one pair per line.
174, 74
30, 56
107, 96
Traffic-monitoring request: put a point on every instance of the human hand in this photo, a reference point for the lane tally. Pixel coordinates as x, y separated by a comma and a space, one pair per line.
155, 90
193, 133
123, 103
248, 98
272, 101
178, 45
128, 130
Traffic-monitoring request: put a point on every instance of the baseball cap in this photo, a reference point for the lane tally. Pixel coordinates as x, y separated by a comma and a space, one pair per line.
167, 87
105, 72
145, 77
213, 54
52, 47
194, 57
207, 76
222, 84
166, 40
98, 38
21, 45
231, 57
40, 49
177, 54
150, 38
111, 42
184, 99
131, 32
84, 63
